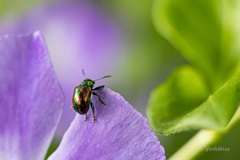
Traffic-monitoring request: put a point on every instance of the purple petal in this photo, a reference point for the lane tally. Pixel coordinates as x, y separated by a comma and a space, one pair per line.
120, 132
31, 98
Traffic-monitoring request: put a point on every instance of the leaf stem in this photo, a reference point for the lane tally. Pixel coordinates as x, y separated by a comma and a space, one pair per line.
202, 140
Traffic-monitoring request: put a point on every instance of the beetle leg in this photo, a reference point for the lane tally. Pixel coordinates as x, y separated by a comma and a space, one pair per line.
86, 117
99, 98
93, 111
98, 88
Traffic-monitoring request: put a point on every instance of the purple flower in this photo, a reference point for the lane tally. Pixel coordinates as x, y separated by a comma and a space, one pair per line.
31, 103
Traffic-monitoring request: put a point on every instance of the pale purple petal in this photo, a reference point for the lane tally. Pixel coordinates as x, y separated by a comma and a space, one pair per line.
120, 132
31, 98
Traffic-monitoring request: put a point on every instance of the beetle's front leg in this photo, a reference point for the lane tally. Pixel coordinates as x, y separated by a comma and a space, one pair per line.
99, 98
98, 88
93, 111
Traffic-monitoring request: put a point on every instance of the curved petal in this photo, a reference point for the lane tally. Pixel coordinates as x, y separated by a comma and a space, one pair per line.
31, 98
120, 132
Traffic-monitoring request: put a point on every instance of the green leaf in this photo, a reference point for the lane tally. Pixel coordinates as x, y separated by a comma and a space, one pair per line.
182, 103
206, 32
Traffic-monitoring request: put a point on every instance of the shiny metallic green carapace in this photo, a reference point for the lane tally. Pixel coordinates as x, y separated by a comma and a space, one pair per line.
82, 96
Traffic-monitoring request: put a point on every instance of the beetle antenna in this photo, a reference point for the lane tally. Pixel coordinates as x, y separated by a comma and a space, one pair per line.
83, 73
103, 77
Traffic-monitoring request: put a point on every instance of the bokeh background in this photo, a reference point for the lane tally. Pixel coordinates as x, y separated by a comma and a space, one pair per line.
117, 38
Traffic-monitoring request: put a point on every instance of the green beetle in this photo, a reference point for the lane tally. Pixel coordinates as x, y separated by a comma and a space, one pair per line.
82, 96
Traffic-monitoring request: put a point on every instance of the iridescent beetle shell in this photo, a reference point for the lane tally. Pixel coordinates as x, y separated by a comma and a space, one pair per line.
82, 96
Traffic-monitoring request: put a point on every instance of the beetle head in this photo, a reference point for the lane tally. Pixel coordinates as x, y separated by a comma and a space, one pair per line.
88, 82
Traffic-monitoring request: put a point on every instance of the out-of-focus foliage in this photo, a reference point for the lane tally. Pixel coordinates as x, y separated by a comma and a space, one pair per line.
11, 9
214, 65
173, 103
148, 57
205, 32
206, 94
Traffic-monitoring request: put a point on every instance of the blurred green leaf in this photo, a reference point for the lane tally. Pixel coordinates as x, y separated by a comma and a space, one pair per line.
12, 9
206, 32
179, 104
